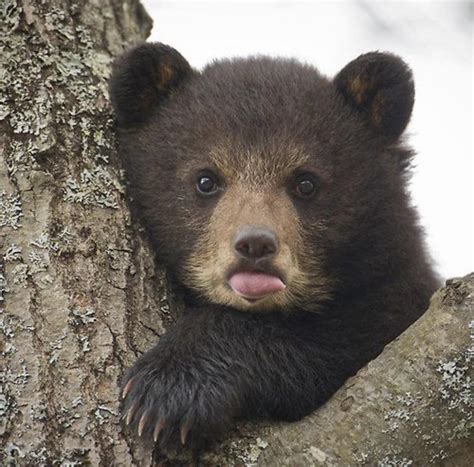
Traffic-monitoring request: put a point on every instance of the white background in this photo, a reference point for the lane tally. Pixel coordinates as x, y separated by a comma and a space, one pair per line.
435, 38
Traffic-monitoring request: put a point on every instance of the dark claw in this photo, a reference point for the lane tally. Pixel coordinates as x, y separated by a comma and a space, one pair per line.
131, 413
127, 388
184, 433
159, 426
141, 424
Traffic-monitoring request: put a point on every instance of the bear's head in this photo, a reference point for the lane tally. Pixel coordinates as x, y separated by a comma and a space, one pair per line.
263, 184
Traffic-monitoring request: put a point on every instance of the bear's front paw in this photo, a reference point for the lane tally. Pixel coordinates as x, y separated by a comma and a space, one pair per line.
176, 406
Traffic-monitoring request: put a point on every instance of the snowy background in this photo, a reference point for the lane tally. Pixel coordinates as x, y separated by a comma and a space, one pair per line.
435, 38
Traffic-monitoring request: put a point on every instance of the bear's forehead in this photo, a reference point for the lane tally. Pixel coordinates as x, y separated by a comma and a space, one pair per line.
264, 162
257, 120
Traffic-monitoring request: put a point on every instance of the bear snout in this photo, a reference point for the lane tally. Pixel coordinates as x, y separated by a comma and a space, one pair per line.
256, 243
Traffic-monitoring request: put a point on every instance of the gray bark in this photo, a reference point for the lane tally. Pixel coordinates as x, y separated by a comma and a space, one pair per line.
80, 298
79, 295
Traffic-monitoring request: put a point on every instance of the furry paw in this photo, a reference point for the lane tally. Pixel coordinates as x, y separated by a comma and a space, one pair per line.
175, 405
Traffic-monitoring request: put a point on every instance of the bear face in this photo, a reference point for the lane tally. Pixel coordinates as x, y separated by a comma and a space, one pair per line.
277, 200
311, 162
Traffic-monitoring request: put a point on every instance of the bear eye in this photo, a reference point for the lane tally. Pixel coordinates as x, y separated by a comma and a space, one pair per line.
206, 184
305, 185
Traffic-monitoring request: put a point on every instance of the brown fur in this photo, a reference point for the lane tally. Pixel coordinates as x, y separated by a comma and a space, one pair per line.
358, 87
164, 77
214, 254
255, 195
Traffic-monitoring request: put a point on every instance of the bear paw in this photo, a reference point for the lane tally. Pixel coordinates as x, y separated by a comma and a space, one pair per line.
176, 408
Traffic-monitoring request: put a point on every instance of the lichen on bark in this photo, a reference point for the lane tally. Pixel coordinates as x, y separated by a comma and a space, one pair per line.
79, 297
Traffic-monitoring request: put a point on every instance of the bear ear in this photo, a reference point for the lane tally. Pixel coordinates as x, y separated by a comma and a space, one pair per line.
142, 78
380, 86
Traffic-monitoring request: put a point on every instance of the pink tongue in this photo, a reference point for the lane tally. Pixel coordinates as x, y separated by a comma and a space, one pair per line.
255, 284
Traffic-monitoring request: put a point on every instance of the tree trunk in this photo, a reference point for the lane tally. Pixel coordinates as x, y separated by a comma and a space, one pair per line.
80, 298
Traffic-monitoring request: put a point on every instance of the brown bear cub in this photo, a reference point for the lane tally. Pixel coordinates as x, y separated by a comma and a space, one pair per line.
277, 199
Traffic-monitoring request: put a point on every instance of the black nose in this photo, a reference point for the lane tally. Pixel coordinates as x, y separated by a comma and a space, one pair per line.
256, 243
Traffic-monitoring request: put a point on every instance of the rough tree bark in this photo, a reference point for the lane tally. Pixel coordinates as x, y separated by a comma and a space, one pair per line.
78, 290
80, 297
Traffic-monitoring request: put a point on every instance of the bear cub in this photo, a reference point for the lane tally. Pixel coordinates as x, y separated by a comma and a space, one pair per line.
277, 200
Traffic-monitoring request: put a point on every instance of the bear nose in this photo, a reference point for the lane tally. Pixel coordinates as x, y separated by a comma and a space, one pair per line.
256, 243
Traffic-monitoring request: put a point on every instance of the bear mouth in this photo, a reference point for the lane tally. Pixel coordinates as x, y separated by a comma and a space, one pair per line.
254, 285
